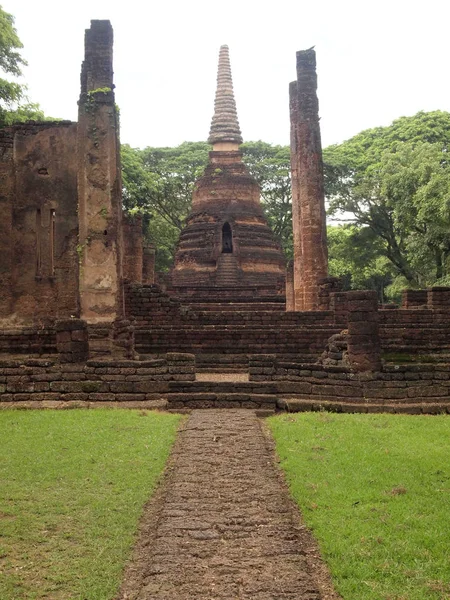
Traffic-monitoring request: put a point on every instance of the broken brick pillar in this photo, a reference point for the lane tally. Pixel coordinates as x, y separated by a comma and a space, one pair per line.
308, 201
99, 182
122, 340
72, 340
148, 263
364, 349
327, 286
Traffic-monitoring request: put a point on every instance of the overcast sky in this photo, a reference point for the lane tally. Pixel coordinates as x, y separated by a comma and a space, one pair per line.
376, 61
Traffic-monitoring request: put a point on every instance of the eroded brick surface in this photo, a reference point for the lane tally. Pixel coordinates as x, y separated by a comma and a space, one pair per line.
226, 527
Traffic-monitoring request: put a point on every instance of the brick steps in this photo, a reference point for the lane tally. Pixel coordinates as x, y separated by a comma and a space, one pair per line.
230, 362
227, 271
236, 306
221, 400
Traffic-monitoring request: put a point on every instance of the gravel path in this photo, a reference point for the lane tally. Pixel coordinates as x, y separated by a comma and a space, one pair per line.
222, 525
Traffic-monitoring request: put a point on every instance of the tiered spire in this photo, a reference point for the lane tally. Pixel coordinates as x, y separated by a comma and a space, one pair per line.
224, 125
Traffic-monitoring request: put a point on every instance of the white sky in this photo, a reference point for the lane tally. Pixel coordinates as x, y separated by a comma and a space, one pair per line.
376, 61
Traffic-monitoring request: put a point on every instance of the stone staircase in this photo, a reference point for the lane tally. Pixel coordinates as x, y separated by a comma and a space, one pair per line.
227, 271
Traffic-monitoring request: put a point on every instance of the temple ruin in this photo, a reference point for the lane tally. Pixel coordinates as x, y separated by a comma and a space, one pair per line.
227, 244
83, 322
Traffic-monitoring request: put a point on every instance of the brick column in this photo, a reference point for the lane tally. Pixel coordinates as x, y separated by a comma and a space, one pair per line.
100, 245
72, 340
297, 267
308, 204
364, 351
327, 286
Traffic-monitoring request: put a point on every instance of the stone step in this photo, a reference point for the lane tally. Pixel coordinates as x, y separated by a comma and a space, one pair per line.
192, 400
238, 307
223, 387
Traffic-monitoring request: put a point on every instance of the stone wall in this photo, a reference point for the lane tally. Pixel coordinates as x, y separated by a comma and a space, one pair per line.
411, 388
28, 340
42, 380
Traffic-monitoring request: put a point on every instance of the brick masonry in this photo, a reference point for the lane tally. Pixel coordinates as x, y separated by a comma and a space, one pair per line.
47, 380
309, 220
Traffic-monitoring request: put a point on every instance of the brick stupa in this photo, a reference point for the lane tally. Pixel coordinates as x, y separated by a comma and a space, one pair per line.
226, 243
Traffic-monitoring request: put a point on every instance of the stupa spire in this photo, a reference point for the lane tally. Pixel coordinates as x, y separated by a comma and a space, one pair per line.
224, 126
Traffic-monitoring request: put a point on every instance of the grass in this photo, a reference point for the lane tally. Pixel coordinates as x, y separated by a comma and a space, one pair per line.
375, 490
72, 488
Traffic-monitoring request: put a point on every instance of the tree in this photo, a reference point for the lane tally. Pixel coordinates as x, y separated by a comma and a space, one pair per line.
355, 256
395, 181
270, 166
14, 104
10, 63
158, 183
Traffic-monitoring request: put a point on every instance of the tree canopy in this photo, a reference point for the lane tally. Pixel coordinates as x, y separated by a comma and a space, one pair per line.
14, 104
395, 182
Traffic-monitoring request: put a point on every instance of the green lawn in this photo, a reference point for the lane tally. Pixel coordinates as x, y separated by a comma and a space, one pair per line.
72, 487
375, 490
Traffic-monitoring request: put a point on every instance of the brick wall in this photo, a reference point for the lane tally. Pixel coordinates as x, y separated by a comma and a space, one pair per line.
38, 241
28, 340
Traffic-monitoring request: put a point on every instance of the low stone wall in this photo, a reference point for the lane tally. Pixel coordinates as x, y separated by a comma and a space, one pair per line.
394, 385
94, 381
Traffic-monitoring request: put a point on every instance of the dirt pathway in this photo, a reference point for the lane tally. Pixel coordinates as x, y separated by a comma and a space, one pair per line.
222, 526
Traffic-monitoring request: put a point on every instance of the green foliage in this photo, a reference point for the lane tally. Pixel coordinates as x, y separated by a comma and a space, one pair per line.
395, 181
25, 112
374, 490
355, 256
270, 166
158, 183
10, 63
73, 487
14, 105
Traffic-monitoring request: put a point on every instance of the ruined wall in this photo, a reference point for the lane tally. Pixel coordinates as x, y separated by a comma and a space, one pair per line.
38, 241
